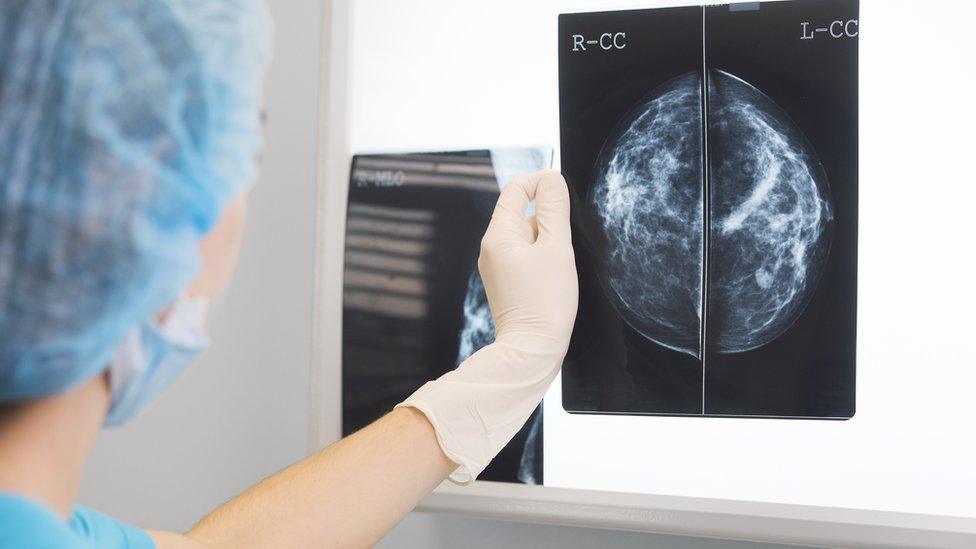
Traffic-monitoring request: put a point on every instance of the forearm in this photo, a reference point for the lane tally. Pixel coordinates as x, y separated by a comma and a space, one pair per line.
347, 495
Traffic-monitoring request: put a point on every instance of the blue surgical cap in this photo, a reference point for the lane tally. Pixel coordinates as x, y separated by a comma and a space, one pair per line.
125, 127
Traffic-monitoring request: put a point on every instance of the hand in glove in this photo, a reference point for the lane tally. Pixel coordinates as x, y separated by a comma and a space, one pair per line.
529, 273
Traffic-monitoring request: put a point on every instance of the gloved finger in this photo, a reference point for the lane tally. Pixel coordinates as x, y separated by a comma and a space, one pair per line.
535, 227
508, 220
552, 207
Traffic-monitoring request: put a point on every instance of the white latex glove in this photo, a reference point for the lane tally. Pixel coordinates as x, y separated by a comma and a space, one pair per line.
529, 272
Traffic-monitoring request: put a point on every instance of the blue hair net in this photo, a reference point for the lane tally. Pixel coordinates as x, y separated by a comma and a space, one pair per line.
125, 127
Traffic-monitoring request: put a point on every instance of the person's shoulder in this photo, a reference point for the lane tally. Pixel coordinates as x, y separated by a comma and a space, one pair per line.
101, 530
27, 524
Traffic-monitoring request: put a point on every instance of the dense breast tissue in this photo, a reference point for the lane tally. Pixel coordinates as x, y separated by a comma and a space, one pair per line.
769, 216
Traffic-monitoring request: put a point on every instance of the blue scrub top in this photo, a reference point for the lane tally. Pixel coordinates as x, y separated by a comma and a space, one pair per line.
26, 524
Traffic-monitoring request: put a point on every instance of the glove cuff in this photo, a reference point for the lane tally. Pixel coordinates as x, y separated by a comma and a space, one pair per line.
468, 469
477, 409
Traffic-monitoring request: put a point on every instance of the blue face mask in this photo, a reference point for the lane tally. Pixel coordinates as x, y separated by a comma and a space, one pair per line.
152, 355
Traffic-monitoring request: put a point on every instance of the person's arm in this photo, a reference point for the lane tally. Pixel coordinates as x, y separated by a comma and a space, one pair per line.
347, 495
353, 492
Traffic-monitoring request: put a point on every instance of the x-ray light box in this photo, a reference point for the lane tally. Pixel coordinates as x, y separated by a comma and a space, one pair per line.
855, 114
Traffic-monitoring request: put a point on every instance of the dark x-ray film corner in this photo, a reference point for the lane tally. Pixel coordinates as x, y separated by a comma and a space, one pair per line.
714, 183
414, 306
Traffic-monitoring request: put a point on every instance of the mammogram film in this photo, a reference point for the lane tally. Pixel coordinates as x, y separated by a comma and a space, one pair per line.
712, 154
414, 306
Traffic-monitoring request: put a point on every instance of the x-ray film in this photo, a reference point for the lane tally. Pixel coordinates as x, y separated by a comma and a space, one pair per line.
414, 306
712, 157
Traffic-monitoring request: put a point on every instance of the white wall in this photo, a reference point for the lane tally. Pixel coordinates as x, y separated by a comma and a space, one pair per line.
242, 412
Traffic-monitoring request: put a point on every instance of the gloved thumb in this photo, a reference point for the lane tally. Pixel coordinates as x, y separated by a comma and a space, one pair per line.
552, 207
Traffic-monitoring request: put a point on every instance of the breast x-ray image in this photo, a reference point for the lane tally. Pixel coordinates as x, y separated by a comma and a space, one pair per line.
414, 305
712, 158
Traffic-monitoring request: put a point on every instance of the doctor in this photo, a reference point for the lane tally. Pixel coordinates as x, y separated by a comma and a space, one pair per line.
128, 136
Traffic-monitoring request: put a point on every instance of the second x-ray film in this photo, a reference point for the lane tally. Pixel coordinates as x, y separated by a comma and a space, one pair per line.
414, 306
